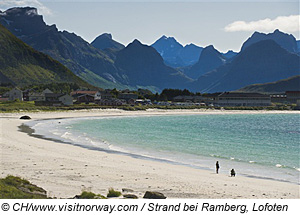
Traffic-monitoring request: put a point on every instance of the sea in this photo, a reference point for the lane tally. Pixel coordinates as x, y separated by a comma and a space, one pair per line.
263, 146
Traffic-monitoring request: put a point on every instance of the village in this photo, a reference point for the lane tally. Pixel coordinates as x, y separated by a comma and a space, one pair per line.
115, 98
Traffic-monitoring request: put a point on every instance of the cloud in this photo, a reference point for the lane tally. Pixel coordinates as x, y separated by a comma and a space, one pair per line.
284, 23
42, 9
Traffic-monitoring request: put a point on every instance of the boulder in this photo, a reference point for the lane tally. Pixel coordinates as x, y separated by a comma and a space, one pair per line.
154, 195
25, 117
130, 196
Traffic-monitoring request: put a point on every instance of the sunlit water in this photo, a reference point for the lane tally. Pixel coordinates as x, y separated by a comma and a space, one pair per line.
257, 145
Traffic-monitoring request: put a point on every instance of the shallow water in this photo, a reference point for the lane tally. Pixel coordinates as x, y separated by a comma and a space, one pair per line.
255, 145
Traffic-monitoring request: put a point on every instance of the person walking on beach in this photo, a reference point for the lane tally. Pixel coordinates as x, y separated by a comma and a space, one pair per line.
217, 167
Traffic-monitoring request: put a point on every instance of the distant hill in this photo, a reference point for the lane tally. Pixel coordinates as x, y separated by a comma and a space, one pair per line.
71, 50
262, 62
21, 65
209, 60
286, 41
141, 65
281, 86
105, 41
174, 54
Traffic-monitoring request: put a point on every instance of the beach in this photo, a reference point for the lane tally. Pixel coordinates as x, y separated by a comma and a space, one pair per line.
65, 170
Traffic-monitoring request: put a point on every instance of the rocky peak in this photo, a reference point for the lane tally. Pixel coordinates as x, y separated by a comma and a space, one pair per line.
286, 41
106, 36
22, 20
136, 42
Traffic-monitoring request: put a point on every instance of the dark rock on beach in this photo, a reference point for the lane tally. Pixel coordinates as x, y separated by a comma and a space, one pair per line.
130, 196
25, 117
154, 195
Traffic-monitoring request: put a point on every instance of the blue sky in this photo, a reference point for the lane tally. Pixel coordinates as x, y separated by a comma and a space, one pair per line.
225, 24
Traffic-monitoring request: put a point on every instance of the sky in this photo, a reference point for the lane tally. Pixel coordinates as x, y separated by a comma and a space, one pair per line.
224, 24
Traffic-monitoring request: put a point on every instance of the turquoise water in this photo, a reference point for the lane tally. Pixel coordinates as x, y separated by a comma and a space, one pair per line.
259, 145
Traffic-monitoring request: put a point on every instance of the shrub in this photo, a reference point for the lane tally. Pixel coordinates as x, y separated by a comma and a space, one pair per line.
113, 193
90, 195
13, 187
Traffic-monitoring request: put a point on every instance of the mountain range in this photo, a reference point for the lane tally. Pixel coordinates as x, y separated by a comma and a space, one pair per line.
89, 63
79, 56
166, 63
286, 41
262, 62
21, 65
174, 54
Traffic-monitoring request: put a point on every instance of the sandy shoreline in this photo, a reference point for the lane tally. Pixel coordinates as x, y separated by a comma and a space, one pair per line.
65, 170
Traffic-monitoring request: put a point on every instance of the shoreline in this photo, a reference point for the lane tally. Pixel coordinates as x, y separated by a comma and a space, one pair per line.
31, 132
84, 169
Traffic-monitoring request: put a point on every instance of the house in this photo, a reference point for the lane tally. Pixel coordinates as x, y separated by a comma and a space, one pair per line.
36, 97
33, 96
56, 99
66, 100
235, 99
86, 96
46, 91
14, 94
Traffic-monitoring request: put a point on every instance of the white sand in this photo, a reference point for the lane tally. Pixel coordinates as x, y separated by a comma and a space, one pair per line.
65, 170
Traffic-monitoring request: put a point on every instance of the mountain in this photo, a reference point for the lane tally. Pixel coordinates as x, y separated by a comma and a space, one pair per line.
174, 54
21, 65
281, 86
105, 41
262, 62
286, 41
209, 60
190, 54
169, 49
229, 55
298, 46
141, 65
79, 56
